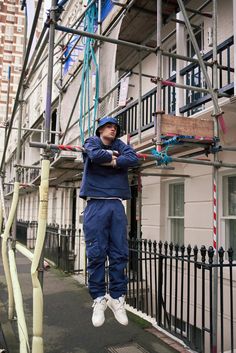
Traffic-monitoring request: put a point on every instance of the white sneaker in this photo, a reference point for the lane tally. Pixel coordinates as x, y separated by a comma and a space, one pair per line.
118, 308
99, 307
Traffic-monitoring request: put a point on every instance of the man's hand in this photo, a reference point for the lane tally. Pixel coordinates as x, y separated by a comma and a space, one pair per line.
112, 163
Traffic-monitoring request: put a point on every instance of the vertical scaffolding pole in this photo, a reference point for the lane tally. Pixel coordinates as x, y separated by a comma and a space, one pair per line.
37, 262
57, 136
158, 113
99, 46
7, 105
140, 99
139, 213
215, 187
5, 138
19, 127
216, 113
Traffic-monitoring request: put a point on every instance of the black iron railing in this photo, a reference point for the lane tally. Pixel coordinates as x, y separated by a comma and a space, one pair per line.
128, 117
172, 284
175, 285
193, 76
62, 244
22, 231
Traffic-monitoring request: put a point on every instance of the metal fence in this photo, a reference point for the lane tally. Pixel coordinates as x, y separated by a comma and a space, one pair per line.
172, 284
175, 285
63, 245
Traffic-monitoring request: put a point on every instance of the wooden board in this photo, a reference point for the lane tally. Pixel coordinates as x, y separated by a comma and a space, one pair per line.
179, 125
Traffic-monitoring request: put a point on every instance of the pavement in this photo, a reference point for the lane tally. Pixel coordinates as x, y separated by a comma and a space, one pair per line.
67, 319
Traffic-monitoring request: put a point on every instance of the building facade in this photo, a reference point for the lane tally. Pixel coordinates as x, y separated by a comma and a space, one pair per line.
171, 202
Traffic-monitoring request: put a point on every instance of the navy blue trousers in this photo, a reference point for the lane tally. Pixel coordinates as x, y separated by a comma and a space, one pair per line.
105, 230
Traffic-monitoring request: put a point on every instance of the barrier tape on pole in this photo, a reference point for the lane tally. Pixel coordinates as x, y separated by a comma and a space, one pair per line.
214, 215
70, 148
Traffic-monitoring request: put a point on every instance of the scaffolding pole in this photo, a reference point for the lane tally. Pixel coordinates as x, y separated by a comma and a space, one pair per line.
105, 39
22, 77
32, 130
158, 113
37, 262
214, 318
7, 112
140, 99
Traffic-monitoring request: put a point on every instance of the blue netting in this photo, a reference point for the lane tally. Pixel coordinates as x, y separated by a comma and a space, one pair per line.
162, 157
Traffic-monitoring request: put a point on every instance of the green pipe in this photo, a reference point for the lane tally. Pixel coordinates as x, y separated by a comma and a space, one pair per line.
22, 328
1, 218
4, 250
37, 343
24, 251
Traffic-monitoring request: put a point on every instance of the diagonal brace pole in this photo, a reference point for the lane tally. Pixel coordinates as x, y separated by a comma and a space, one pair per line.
200, 59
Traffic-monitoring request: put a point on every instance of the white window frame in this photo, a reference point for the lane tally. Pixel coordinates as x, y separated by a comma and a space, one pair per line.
168, 217
223, 241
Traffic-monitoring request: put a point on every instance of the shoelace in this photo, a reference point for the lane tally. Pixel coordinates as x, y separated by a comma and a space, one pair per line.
98, 302
121, 304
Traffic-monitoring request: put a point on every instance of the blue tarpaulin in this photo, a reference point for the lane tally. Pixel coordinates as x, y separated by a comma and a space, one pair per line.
107, 5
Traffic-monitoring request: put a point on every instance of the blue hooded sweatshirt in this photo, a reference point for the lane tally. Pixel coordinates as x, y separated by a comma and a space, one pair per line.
106, 181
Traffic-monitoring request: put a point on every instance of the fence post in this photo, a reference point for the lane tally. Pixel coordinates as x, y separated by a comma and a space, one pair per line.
160, 282
211, 259
230, 257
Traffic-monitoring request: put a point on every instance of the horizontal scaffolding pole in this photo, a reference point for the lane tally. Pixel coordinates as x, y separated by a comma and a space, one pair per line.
54, 147
106, 39
187, 87
27, 166
144, 174
183, 23
225, 148
32, 130
143, 156
179, 85
148, 157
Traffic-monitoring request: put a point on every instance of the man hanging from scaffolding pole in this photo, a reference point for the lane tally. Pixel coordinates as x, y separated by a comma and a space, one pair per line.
104, 186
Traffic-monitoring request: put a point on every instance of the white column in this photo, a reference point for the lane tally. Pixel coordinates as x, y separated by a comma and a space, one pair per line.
59, 206
181, 49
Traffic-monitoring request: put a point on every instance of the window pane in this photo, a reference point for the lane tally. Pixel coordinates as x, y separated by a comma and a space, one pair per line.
231, 235
176, 200
232, 195
177, 231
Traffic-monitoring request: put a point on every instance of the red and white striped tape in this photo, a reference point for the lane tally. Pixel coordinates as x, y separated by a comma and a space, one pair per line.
214, 215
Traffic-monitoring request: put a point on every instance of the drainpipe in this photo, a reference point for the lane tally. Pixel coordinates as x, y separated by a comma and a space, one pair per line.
4, 250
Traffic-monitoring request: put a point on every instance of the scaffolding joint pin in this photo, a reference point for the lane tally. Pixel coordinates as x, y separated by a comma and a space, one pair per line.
162, 112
